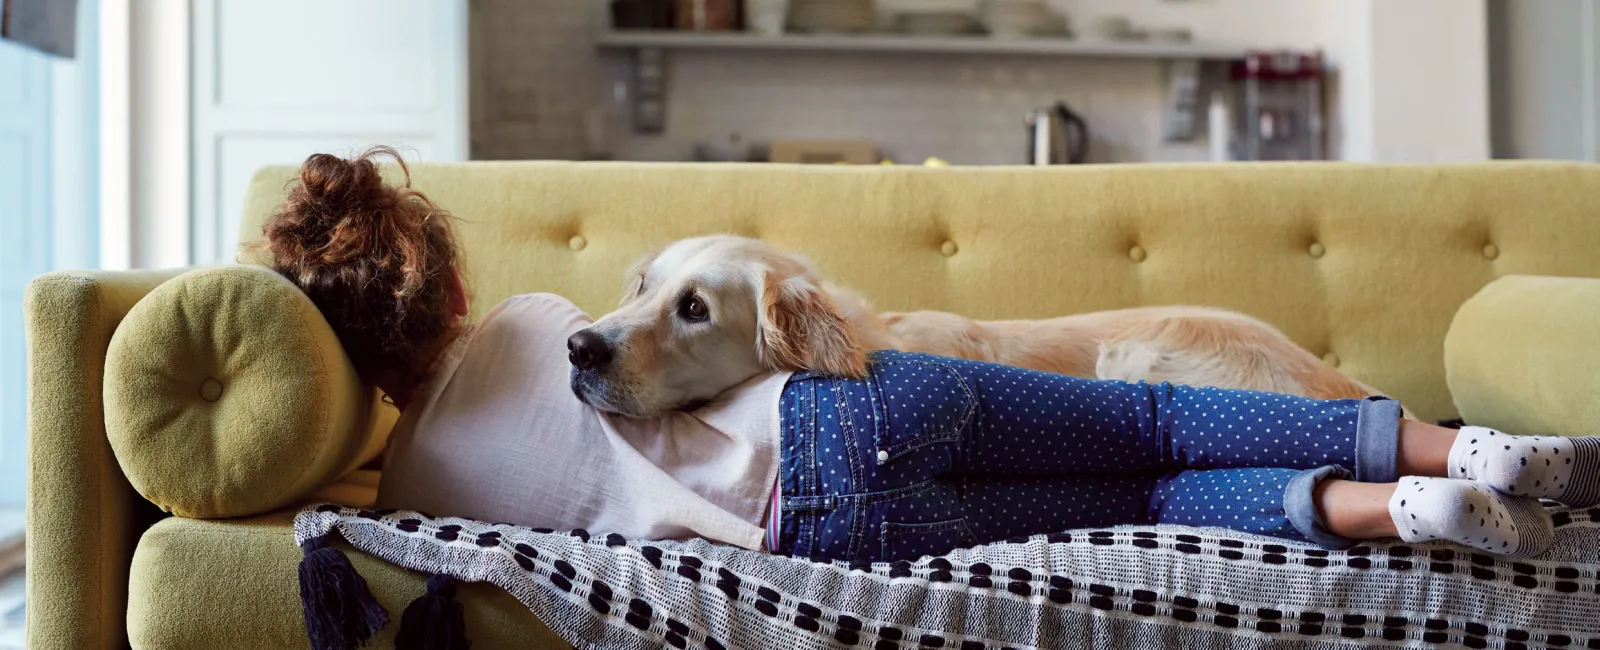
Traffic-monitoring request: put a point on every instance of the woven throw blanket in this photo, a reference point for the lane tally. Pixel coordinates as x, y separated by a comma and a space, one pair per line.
1123, 587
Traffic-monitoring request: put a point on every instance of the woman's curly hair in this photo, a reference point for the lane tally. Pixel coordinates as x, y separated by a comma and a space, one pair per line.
375, 258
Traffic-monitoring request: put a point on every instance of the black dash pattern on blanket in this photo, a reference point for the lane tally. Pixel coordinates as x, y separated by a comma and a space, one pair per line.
1130, 586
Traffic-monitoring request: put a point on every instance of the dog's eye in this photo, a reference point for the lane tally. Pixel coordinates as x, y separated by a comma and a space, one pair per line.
692, 309
641, 285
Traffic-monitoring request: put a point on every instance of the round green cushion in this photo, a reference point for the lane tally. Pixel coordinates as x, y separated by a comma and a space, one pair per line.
1523, 356
227, 394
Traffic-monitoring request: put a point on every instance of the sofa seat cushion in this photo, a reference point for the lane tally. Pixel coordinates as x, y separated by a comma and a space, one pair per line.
235, 584
227, 394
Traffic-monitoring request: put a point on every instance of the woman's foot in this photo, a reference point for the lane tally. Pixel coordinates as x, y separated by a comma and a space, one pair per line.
1471, 514
1549, 467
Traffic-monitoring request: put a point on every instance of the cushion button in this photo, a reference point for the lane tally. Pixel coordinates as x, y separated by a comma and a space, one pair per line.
1136, 254
1316, 249
210, 390
577, 242
1491, 251
948, 248
1331, 359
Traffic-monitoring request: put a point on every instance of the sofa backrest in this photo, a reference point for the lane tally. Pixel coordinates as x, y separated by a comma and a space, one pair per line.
1363, 265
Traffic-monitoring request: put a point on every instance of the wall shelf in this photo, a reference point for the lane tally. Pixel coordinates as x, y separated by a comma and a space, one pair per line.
670, 40
649, 48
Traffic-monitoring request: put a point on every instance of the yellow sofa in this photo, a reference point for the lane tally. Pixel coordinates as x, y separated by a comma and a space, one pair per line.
1365, 266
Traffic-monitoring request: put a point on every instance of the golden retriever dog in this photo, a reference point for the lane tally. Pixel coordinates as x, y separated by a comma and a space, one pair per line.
708, 313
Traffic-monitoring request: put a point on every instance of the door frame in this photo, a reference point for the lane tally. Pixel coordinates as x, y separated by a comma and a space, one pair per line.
144, 134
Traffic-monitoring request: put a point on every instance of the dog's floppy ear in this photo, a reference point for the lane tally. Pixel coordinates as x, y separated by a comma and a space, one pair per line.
799, 328
633, 280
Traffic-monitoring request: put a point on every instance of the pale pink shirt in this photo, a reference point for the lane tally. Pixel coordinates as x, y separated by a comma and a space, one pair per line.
496, 434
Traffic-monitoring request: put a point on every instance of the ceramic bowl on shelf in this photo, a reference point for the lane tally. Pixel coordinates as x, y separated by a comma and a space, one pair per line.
1021, 19
944, 23
832, 15
893, 8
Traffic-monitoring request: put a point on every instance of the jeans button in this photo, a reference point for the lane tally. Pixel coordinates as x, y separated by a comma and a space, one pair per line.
883, 456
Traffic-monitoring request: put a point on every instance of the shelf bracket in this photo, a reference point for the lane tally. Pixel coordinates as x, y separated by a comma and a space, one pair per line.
649, 90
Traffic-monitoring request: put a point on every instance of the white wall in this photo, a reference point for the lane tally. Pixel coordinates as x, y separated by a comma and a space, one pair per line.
1344, 31
1544, 63
1431, 83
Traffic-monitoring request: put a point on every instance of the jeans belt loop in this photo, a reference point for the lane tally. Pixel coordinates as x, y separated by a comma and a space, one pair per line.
796, 504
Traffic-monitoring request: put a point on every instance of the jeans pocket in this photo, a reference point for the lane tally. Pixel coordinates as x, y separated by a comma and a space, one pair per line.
921, 400
898, 541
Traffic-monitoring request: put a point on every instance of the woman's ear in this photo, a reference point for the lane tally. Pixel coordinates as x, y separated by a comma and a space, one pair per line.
459, 305
799, 328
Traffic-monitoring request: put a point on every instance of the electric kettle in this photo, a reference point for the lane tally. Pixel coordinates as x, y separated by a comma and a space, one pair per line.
1059, 136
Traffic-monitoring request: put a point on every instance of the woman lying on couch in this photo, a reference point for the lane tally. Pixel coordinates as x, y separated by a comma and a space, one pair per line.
924, 455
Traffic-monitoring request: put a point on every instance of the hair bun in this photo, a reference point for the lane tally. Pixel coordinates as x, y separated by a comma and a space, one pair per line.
376, 258
335, 188
341, 210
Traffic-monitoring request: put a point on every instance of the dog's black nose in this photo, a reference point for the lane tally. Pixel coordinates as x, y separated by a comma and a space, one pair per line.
587, 351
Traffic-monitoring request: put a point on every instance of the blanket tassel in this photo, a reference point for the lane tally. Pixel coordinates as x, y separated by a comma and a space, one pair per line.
434, 620
340, 611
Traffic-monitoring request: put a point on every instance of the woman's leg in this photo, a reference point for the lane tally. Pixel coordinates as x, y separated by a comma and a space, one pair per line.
1033, 423
1248, 500
1262, 501
1419, 509
1423, 449
1480, 513
1000, 508
1009, 422
1356, 510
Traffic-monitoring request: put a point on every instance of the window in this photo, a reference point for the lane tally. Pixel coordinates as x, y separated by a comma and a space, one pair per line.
47, 206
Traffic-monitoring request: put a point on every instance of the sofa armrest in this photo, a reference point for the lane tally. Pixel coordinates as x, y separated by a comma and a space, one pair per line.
1523, 356
84, 519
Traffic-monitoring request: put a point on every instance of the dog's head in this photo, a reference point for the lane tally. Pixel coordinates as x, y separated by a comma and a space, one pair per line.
704, 315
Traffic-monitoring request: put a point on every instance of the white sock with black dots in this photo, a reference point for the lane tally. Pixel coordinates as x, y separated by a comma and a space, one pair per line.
1549, 467
1471, 514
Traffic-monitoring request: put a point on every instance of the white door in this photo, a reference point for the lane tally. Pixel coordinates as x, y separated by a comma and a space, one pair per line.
274, 82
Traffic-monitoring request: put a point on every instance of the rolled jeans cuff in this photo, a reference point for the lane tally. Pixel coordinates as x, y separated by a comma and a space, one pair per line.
1301, 509
1377, 440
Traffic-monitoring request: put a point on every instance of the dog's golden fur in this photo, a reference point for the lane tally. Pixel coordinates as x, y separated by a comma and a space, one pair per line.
1182, 345
769, 310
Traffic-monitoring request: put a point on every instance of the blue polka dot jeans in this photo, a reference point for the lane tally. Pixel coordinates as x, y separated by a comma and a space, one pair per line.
928, 454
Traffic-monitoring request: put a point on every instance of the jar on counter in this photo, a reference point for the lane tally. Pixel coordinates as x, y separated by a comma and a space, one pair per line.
707, 15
